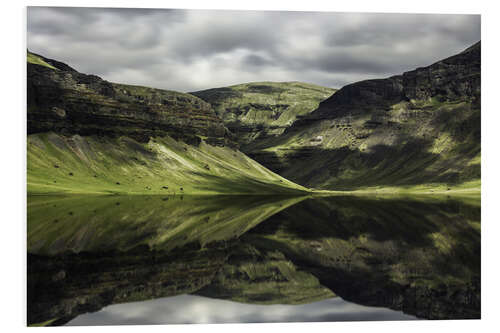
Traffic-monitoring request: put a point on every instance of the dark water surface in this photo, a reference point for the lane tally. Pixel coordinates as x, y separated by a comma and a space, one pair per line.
98, 260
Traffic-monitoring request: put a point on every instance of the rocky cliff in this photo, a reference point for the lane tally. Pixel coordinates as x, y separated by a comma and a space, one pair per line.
455, 78
63, 100
421, 127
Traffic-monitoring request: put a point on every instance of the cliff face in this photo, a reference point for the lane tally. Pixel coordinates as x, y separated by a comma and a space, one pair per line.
63, 100
421, 127
455, 78
254, 111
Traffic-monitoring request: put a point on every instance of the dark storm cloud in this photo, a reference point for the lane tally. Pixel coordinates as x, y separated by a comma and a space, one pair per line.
189, 50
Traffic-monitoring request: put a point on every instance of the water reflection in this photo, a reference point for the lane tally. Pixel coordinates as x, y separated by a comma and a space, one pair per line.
418, 256
190, 309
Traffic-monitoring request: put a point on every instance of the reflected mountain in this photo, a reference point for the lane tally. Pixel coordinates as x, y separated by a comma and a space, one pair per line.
412, 255
106, 223
420, 257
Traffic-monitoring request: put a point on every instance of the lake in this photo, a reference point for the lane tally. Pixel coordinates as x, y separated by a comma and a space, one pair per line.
111, 260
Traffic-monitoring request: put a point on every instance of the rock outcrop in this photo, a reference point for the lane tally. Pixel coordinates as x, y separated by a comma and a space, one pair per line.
62, 100
454, 78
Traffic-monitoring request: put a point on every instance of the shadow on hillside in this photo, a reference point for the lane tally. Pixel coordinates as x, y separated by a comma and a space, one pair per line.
243, 185
401, 164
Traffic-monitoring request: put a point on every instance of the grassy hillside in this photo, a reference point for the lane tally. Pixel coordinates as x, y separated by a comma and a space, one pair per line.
259, 109
433, 144
418, 130
37, 60
88, 135
76, 164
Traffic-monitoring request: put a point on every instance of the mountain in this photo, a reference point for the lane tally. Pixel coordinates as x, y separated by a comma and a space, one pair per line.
253, 111
86, 134
418, 130
421, 128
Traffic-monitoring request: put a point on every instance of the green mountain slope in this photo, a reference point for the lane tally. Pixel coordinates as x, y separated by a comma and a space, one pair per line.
92, 164
89, 135
253, 111
422, 127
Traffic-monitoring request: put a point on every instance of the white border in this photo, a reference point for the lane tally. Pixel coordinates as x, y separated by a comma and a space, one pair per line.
13, 140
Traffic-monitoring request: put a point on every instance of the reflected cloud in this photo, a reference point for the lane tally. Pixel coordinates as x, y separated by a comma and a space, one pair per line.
190, 309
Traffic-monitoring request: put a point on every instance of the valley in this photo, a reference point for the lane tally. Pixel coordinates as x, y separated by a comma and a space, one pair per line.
415, 132
420, 131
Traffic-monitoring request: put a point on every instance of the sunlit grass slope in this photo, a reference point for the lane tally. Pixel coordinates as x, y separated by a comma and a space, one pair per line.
75, 164
37, 60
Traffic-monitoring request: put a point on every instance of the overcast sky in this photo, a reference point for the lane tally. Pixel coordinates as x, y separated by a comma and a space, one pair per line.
188, 50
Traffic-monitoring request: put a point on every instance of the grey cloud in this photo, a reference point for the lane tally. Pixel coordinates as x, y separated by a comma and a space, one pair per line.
255, 60
383, 30
189, 50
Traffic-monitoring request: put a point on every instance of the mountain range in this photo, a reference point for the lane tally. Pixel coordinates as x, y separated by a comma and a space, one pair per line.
420, 130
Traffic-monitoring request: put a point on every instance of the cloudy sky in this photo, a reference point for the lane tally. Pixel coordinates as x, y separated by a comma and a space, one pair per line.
188, 50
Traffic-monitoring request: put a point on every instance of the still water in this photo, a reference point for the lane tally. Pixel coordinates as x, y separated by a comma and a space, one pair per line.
102, 260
